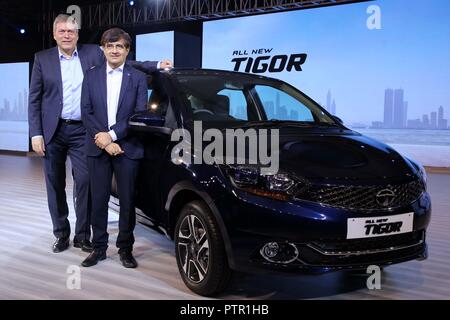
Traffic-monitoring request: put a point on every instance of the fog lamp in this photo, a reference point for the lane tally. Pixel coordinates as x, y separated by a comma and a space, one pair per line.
279, 252
271, 249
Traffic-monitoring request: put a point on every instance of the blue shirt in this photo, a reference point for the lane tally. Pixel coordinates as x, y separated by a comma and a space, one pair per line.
72, 80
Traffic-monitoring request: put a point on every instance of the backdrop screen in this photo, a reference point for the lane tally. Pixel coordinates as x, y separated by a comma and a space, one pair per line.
154, 46
382, 66
14, 106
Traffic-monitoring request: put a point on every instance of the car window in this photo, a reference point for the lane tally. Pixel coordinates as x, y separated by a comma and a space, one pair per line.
159, 103
219, 99
281, 106
234, 103
210, 100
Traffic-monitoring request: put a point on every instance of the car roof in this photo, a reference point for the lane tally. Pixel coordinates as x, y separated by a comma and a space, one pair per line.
215, 72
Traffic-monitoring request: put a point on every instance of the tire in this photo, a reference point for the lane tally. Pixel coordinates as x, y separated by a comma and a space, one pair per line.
201, 256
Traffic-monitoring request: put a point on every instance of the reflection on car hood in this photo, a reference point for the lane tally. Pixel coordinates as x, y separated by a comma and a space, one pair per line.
336, 154
340, 156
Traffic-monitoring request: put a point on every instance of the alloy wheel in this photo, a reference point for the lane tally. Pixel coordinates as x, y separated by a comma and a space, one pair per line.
193, 248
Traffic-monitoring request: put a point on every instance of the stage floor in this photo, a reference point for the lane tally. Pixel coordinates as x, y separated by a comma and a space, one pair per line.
31, 271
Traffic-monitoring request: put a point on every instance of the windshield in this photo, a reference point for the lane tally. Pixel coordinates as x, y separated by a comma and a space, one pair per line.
239, 100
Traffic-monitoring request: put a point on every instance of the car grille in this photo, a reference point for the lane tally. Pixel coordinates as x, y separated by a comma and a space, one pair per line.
354, 197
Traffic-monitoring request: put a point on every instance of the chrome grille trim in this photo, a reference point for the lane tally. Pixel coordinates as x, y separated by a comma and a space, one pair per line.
363, 252
420, 239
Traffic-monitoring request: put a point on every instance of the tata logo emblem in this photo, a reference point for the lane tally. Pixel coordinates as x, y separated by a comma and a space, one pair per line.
385, 197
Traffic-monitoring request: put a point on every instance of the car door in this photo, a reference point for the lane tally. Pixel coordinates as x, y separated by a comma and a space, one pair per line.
156, 145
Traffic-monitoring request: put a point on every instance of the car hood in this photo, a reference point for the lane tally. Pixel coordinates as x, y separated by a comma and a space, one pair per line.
340, 155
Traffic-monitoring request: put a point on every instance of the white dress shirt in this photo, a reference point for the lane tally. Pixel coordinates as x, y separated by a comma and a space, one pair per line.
113, 85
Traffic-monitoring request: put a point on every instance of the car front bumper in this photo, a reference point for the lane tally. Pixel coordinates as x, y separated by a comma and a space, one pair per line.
316, 235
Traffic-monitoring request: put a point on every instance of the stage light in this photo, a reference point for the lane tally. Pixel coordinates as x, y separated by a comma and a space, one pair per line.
131, 3
22, 31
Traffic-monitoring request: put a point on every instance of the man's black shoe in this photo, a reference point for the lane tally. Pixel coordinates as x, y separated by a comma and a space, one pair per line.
85, 245
60, 244
93, 258
128, 260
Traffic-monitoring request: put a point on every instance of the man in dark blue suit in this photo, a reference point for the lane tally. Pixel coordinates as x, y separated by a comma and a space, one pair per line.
111, 94
56, 128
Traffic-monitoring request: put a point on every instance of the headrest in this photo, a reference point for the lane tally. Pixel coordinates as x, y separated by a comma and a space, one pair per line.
221, 104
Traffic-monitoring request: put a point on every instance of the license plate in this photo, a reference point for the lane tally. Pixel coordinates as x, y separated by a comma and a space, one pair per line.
370, 227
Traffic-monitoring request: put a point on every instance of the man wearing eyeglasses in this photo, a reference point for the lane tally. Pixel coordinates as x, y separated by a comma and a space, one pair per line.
56, 129
111, 94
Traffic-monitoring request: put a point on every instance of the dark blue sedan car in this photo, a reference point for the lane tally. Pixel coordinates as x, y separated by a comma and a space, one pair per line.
337, 200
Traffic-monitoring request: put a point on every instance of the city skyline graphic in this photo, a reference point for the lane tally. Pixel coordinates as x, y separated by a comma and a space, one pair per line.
16, 111
14, 91
14, 106
395, 114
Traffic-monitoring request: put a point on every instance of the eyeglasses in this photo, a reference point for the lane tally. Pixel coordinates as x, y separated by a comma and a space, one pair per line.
111, 46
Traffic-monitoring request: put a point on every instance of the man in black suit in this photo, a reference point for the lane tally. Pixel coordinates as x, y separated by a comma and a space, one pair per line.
111, 94
56, 129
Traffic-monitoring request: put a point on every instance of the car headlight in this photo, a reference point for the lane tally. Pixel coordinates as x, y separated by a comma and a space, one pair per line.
280, 186
421, 172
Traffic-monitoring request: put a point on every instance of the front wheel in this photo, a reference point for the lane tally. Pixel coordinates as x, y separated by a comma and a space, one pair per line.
200, 250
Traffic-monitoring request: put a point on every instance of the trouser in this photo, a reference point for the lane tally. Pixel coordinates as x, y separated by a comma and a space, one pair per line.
125, 170
69, 140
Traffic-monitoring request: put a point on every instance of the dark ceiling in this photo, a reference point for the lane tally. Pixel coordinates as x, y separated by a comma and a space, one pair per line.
29, 15
28, 12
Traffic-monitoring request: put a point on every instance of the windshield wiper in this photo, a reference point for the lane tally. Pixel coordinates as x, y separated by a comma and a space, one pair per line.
285, 123
328, 124
274, 122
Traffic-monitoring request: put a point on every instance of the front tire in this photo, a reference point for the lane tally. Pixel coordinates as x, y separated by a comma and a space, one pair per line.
200, 251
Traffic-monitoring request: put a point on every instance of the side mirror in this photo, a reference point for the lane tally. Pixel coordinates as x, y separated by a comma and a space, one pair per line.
338, 119
149, 122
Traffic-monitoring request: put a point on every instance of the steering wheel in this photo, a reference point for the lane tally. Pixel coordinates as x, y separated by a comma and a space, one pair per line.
203, 110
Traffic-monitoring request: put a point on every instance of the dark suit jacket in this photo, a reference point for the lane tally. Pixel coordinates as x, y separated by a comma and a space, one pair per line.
94, 109
46, 93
